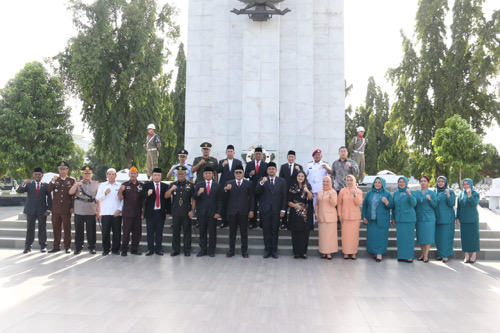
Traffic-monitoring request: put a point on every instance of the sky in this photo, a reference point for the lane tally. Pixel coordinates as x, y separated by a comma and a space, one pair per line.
34, 30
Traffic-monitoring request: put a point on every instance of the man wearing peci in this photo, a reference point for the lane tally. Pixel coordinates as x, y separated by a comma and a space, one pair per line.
254, 171
226, 170
288, 172
238, 196
272, 193
38, 206
156, 207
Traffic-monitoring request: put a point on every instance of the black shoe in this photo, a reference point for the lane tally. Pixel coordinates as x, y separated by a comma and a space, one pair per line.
378, 260
27, 250
230, 254
67, 250
296, 256
275, 255
43, 250
187, 254
92, 251
78, 251
105, 253
252, 225
174, 254
116, 252
160, 253
54, 250
124, 253
283, 226
211, 254
201, 254
244, 255
267, 255
149, 253
136, 252
223, 225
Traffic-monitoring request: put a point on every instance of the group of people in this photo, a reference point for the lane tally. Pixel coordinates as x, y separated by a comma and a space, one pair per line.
292, 197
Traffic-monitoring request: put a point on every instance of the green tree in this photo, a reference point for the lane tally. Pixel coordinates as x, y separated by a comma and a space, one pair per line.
179, 98
100, 167
115, 66
397, 157
440, 81
167, 131
76, 161
35, 128
491, 165
457, 146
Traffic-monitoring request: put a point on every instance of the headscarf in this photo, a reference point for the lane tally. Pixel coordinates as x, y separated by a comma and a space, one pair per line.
329, 186
376, 197
382, 189
441, 189
471, 184
406, 186
353, 181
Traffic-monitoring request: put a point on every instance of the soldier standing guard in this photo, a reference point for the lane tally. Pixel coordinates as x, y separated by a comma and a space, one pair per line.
132, 213
357, 150
205, 161
62, 207
181, 193
153, 145
85, 192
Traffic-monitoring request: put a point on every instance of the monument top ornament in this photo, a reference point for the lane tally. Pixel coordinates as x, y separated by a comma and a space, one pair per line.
260, 10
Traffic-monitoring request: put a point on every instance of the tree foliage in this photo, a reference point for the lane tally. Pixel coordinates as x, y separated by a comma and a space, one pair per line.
76, 161
179, 98
35, 128
439, 81
115, 66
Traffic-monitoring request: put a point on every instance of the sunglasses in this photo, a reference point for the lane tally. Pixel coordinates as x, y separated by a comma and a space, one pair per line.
238, 172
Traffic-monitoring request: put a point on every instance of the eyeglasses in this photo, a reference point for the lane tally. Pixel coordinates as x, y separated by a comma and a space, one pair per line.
238, 172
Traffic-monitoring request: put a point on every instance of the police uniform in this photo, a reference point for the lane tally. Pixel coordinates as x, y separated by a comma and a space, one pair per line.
181, 206
62, 203
209, 162
85, 212
357, 149
153, 145
131, 215
173, 169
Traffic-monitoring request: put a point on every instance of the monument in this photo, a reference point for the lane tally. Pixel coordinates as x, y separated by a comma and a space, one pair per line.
275, 81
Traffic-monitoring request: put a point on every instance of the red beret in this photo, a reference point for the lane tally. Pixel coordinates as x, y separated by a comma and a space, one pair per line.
316, 151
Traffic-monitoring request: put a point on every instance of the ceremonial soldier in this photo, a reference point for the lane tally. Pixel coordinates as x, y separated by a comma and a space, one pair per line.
38, 206
357, 149
181, 193
226, 173
316, 170
85, 192
62, 207
153, 145
182, 156
132, 213
202, 162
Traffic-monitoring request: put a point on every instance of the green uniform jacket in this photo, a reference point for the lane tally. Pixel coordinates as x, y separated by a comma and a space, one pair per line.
425, 207
404, 205
383, 210
467, 207
445, 213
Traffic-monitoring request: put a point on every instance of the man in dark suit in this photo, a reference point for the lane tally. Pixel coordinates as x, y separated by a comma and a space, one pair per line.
208, 209
38, 206
288, 171
239, 199
155, 210
255, 170
225, 170
272, 193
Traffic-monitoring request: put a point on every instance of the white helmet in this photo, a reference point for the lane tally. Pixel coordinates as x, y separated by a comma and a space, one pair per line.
360, 129
151, 126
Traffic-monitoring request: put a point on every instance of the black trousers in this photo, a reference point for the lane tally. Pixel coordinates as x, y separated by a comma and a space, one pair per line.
184, 223
284, 219
111, 223
154, 229
207, 223
270, 223
42, 230
83, 222
242, 222
134, 225
300, 242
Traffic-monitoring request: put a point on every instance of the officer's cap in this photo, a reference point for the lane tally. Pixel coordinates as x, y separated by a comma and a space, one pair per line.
151, 126
63, 165
180, 168
182, 152
87, 169
206, 145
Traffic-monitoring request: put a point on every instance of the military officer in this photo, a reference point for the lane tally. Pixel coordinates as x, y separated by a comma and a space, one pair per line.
182, 156
181, 193
153, 145
132, 213
85, 192
316, 170
62, 207
204, 161
357, 149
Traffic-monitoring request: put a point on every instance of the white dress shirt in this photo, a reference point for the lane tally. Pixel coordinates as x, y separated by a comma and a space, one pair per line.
109, 202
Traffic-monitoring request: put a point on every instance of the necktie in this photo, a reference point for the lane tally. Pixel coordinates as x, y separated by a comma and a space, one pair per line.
37, 188
290, 169
272, 182
256, 166
157, 196
239, 183
208, 188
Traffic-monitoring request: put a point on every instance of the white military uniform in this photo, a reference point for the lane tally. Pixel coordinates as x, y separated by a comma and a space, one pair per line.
315, 174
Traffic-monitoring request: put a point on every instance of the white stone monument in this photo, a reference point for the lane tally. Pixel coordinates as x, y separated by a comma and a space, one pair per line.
278, 84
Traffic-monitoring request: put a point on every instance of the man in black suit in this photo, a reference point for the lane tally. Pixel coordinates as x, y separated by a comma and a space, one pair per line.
272, 193
38, 206
156, 209
225, 170
254, 171
288, 171
208, 209
239, 198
